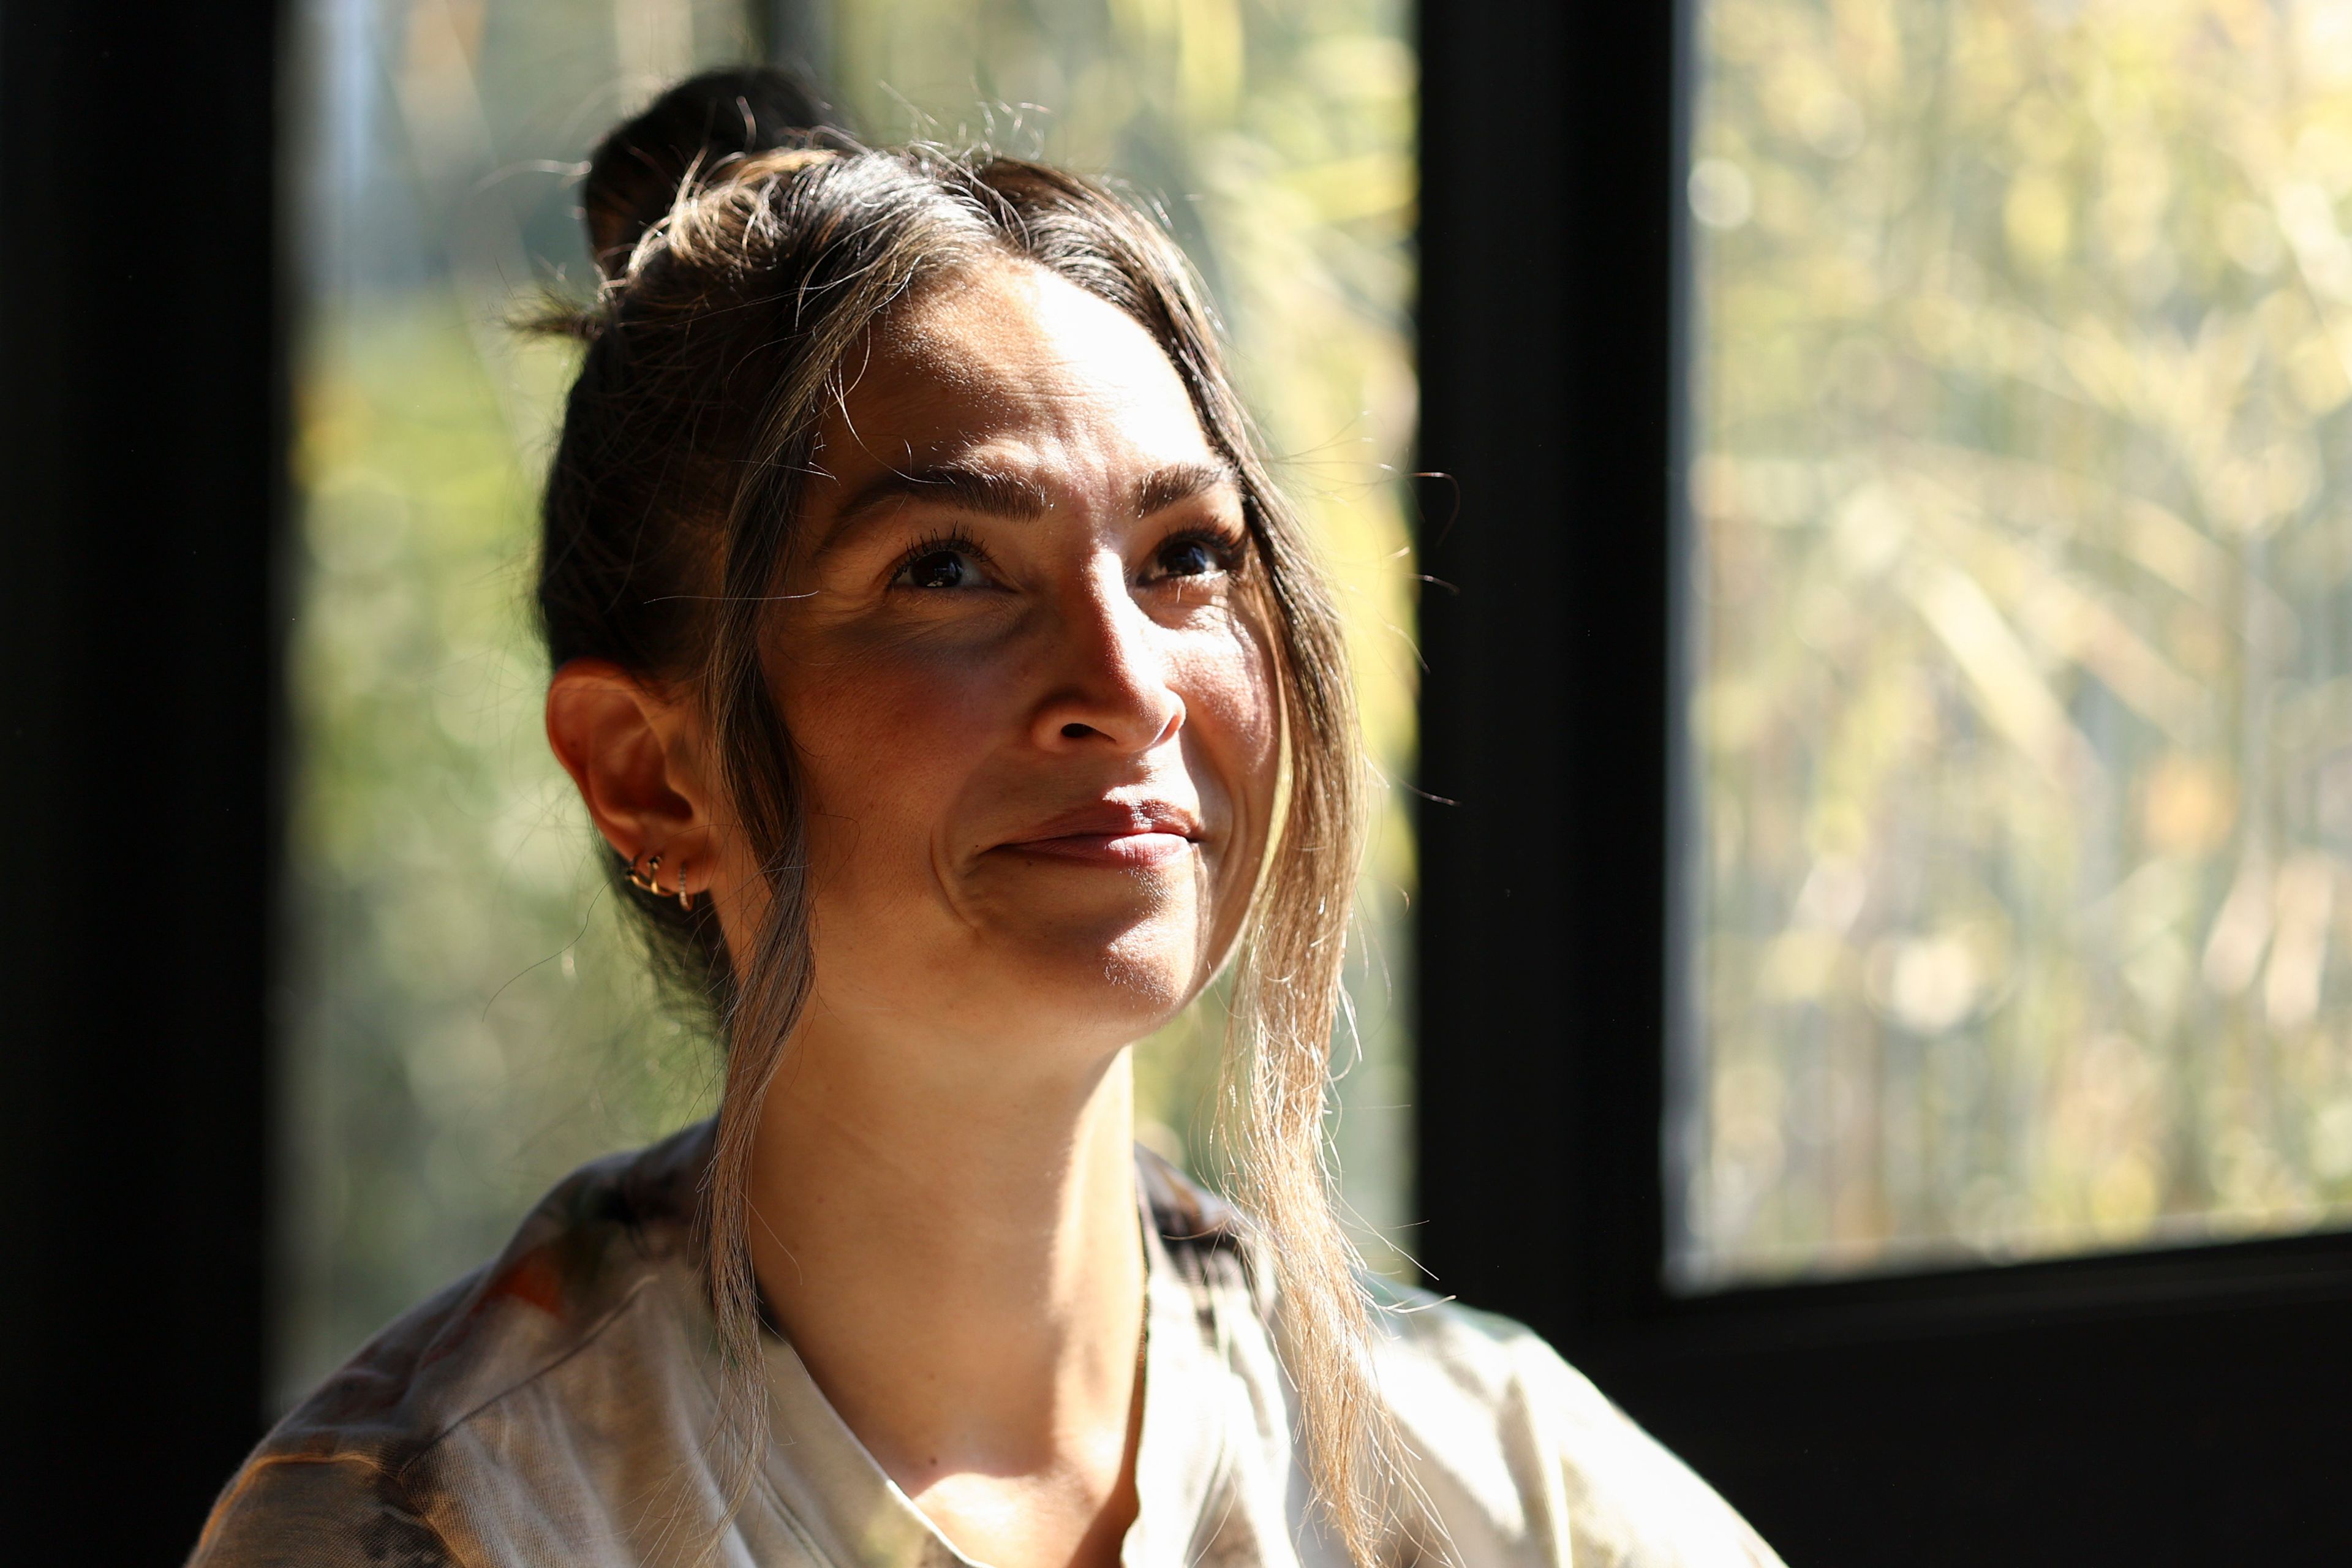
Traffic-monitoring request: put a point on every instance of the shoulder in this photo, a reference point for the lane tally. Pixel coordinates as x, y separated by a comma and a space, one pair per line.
370, 1467
326, 1511
1523, 1459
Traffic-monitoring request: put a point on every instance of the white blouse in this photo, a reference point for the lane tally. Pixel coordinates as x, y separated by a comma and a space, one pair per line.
556, 1407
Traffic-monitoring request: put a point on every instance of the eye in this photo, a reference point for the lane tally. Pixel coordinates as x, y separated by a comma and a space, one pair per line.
1194, 555
940, 564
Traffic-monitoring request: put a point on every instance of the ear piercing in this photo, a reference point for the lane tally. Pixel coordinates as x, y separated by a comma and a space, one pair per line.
649, 879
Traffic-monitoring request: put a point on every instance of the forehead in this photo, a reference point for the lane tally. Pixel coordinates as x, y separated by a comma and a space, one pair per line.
1011, 360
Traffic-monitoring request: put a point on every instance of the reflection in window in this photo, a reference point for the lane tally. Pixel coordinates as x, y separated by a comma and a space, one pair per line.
465, 1016
2021, 724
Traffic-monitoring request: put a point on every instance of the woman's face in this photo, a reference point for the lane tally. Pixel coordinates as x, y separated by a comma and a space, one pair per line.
1036, 727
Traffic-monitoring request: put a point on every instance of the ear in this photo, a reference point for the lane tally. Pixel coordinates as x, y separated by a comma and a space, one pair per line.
634, 751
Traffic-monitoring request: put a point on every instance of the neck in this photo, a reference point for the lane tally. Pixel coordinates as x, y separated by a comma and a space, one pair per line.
954, 1249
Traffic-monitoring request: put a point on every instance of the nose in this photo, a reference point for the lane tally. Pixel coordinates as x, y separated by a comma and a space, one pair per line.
1109, 681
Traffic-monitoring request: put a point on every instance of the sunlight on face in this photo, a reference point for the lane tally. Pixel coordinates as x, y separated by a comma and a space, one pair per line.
1036, 725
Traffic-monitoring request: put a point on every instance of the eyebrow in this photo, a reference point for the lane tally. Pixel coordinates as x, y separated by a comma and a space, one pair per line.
991, 491
1180, 482
997, 492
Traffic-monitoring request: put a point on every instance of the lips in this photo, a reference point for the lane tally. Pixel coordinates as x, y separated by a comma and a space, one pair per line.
1124, 834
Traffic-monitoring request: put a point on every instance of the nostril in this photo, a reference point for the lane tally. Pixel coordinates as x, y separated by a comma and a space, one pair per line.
1076, 731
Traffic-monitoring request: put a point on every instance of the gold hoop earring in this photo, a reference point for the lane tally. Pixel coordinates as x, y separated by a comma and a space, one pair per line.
645, 880
649, 880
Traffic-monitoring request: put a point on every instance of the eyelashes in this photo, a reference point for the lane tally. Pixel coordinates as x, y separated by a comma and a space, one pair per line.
1225, 547
953, 559
940, 561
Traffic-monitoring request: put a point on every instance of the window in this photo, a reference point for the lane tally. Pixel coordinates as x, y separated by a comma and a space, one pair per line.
1721, 303
465, 1016
2020, 743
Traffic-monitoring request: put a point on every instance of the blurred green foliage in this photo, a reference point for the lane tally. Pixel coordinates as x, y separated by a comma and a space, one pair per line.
2022, 712
465, 1018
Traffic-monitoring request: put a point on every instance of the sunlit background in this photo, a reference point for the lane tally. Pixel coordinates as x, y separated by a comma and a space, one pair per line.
2022, 719
464, 1019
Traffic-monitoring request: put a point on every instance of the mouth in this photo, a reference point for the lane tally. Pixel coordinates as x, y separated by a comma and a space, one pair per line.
1118, 834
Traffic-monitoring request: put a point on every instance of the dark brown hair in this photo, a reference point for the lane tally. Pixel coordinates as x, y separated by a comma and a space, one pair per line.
746, 255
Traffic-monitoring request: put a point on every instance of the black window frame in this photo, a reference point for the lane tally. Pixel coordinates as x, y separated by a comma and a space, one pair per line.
2185, 1404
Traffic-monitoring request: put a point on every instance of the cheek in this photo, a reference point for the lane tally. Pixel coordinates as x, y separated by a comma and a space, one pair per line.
883, 745
1236, 719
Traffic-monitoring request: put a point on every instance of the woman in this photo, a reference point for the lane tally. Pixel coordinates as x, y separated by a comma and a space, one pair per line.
957, 696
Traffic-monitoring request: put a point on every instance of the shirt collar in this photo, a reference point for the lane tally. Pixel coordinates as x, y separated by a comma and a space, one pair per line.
1185, 1399
833, 1486
859, 1517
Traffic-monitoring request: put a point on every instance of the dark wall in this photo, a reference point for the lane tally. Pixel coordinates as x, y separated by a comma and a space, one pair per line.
139, 346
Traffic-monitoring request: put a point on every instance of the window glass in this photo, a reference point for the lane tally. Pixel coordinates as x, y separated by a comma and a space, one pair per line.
2020, 715
464, 1017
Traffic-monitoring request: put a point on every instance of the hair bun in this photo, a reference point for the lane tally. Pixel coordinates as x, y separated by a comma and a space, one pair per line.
720, 115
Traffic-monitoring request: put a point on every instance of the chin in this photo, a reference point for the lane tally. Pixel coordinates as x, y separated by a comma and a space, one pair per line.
1109, 992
